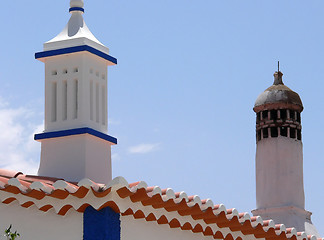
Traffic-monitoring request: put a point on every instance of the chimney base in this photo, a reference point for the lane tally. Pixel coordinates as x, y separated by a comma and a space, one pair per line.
291, 216
76, 157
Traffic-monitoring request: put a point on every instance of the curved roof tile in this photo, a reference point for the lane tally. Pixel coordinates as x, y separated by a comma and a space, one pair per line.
178, 206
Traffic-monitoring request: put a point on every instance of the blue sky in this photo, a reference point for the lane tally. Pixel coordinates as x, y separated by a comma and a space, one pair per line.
181, 97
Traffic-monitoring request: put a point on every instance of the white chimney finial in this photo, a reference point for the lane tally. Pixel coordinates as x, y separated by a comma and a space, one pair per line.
76, 3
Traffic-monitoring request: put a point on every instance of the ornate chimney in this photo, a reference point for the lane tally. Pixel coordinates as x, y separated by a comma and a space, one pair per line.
75, 144
279, 158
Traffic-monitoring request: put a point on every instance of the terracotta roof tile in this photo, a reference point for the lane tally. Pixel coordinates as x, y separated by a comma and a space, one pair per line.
203, 212
9, 174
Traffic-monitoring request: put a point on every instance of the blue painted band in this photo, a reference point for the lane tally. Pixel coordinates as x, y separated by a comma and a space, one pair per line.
81, 48
76, 9
76, 131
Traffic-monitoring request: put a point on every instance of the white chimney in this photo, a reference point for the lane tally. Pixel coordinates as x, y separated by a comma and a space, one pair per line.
279, 158
75, 144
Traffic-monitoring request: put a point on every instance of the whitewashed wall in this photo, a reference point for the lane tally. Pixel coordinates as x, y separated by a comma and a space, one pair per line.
74, 158
139, 229
33, 224
279, 173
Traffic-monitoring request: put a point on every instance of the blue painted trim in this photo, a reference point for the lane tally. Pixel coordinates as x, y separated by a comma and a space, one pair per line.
76, 9
101, 225
76, 131
81, 48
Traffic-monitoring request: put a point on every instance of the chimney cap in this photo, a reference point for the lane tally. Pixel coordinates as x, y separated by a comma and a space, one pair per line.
278, 94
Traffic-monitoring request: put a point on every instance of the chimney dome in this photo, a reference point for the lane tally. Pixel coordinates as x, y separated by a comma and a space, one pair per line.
276, 94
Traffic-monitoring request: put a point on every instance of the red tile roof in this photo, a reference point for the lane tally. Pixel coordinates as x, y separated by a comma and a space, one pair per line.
40, 191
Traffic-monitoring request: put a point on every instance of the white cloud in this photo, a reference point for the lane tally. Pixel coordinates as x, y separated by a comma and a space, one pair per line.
144, 148
18, 150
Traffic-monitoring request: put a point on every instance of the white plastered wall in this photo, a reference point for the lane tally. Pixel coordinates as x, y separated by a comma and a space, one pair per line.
76, 157
85, 68
279, 173
33, 224
279, 183
139, 229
